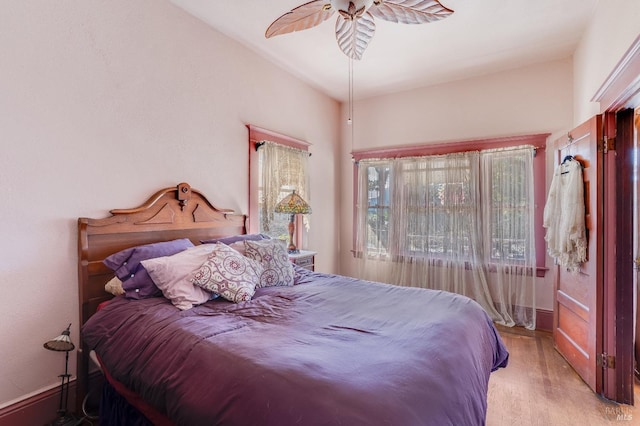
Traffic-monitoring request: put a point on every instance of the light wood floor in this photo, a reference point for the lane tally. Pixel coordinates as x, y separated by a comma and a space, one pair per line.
538, 387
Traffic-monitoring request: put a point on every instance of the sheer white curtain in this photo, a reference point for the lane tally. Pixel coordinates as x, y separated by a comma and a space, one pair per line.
507, 181
423, 222
282, 169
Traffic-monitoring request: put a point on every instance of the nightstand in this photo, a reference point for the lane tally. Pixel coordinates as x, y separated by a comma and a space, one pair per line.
304, 258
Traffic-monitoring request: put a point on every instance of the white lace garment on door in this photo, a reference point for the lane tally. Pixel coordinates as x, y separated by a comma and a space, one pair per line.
564, 216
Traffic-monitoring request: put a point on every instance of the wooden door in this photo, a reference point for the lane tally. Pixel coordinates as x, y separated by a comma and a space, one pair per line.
619, 289
636, 249
578, 297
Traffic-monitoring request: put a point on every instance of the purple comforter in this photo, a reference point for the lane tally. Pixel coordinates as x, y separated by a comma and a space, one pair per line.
330, 350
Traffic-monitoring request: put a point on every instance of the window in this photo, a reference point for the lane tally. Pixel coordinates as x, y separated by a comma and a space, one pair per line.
438, 199
508, 206
378, 208
281, 170
278, 165
439, 193
421, 212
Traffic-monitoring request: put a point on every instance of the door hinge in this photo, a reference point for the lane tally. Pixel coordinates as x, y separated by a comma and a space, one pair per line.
606, 361
607, 144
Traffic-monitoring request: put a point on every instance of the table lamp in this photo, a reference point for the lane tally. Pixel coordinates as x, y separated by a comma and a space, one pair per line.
292, 204
63, 343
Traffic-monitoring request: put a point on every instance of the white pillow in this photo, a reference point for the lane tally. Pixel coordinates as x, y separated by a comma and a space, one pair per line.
171, 275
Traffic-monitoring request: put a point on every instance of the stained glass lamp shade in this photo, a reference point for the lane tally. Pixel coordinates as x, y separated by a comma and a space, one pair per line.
292, 204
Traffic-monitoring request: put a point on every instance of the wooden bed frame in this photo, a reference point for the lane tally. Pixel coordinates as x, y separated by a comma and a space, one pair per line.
170, 213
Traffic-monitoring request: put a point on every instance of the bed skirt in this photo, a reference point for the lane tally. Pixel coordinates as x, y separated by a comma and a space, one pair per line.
115, 410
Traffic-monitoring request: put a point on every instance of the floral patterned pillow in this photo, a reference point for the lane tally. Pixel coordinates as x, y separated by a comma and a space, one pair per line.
272, 255
229, 274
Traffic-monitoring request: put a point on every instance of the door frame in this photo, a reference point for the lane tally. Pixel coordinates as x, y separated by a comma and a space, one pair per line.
620, 92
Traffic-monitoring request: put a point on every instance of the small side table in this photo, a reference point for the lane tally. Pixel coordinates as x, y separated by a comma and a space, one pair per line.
304, 259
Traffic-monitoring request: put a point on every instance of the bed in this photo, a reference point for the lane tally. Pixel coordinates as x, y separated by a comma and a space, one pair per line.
328, 349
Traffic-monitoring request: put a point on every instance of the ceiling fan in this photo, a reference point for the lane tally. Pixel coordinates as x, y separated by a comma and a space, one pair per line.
355, 26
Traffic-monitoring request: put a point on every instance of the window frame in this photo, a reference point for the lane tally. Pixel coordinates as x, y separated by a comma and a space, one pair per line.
256, 136
538, 141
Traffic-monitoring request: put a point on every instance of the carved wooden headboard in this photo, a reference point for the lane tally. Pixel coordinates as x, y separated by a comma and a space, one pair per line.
171, 213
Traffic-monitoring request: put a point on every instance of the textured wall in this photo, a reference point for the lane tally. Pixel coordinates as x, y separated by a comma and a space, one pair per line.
612, 31
104, 102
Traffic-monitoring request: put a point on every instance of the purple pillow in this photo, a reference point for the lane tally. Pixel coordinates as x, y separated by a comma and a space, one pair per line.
236, 238
136, 282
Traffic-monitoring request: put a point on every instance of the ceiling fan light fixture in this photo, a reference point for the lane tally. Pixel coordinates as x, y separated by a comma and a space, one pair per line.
355, 25
351, 9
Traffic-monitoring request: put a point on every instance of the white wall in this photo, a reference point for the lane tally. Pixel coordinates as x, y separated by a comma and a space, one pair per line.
522, 101
101, 104
531, 100
613, 29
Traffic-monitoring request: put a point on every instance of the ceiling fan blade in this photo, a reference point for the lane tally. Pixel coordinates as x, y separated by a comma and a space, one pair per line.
410, 11
353, 36
302, 17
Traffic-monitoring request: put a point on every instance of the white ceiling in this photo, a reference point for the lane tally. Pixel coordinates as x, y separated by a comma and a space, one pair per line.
480, 37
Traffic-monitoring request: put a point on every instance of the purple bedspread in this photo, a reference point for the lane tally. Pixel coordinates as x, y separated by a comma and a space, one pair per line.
330, 350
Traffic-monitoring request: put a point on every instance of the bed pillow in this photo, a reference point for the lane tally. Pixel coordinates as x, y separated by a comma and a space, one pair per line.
135, 280
172, 273
114, 286
239, 247
229, 274
273, 256
236, 238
